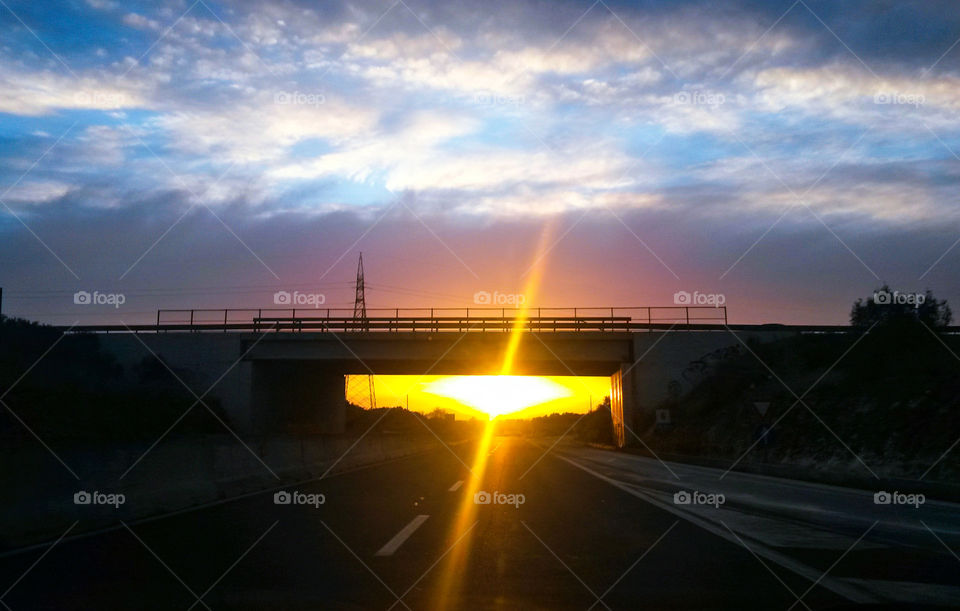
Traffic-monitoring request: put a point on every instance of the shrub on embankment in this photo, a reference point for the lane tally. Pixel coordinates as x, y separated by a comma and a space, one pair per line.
65, 387
890, 394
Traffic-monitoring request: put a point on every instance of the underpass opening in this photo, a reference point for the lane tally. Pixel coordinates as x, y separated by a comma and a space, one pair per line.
549, 373
485, 397
303, 397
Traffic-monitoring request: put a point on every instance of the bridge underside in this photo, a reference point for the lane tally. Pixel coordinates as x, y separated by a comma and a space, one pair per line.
304, 372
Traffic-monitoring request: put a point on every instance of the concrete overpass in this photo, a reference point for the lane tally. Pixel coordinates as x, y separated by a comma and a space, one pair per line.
275, 373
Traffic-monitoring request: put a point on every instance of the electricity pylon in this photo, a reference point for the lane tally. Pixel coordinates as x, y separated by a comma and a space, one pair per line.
360, 301
354, 385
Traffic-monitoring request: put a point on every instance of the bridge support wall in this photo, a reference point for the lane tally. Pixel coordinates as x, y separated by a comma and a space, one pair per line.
623, 404
665, 357
297, 398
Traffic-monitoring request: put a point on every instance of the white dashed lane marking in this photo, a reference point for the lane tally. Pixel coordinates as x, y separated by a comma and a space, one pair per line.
398, 539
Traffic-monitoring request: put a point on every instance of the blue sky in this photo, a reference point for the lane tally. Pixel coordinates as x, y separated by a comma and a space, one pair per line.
791, 155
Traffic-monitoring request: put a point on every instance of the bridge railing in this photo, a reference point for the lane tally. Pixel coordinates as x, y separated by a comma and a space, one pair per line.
441, 319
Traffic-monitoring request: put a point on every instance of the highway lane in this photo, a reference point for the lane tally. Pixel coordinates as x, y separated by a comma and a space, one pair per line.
891, 551
408, 534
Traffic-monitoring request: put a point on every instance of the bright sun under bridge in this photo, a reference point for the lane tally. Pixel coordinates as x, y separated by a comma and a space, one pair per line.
492, 396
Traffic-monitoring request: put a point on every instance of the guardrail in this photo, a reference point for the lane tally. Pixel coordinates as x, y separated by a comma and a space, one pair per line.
436, 320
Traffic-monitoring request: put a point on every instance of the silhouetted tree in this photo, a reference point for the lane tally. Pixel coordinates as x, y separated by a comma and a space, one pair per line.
889, 307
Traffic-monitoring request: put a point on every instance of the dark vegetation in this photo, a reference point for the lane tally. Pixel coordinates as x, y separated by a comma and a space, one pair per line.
400, 421
77, 392
593, 427
889, 389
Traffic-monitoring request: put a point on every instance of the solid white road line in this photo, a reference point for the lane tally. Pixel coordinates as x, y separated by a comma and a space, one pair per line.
456, 486
398, 539
844, 588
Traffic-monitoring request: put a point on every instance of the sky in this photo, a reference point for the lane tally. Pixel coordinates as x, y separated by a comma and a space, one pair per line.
789, 156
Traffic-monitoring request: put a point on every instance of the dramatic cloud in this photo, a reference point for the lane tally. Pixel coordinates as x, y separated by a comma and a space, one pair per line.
744, 125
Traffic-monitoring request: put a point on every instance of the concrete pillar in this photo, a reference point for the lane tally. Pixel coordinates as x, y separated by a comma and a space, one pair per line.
297, 398
623, 404
616, 408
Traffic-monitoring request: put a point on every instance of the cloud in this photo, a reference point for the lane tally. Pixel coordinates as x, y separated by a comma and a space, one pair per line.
246, 133
692, 121
40, 93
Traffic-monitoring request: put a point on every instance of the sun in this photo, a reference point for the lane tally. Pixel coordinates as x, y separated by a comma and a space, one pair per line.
498, 395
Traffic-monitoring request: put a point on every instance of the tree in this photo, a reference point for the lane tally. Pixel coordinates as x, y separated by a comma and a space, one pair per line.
889, 307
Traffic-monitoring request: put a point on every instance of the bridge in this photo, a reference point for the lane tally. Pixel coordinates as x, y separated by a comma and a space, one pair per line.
281, 370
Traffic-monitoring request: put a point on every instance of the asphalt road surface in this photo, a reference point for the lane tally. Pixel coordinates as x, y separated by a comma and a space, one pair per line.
592, 529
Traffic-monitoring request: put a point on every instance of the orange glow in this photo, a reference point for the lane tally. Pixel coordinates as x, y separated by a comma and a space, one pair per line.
464, 522
457, 394
499, 395
493, 400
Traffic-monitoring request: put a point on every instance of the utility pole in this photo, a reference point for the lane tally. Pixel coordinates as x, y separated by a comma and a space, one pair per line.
361, 323
360, 301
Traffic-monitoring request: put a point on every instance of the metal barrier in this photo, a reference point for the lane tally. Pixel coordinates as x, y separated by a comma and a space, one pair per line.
436, 320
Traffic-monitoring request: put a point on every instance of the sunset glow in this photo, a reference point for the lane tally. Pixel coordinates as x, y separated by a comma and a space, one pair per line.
499, 395
490, 396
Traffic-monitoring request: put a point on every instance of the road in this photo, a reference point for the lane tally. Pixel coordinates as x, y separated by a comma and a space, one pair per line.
595, 529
